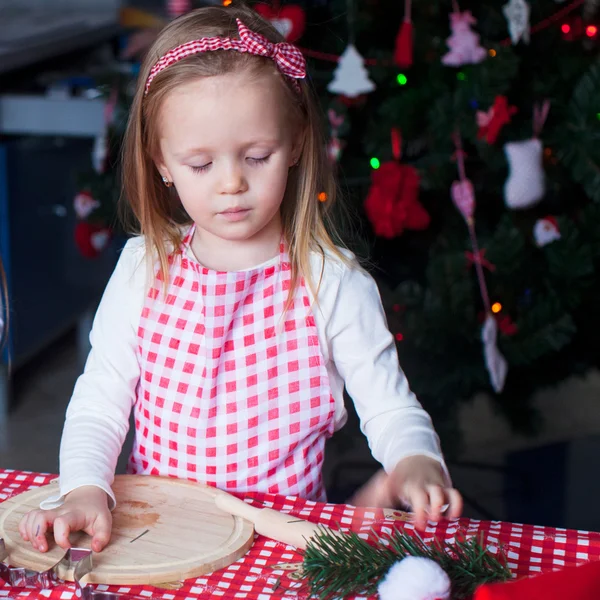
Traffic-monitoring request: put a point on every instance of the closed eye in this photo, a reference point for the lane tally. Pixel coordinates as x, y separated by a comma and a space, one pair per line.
201, 168
258, 161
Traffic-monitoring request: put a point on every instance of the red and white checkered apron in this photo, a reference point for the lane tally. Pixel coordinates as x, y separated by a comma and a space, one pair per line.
230, 393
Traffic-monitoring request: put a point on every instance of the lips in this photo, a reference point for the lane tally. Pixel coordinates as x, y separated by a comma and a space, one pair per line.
232, 211
236, 213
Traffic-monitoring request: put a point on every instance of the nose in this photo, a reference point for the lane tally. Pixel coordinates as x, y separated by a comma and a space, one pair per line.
232, 178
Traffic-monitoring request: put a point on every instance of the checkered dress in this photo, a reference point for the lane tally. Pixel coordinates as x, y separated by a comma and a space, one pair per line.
231, 394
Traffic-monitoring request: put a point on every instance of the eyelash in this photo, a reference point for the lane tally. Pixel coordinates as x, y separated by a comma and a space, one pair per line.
255, 161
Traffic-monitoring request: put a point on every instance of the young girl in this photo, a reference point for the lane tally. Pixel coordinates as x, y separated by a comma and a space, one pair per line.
232, 323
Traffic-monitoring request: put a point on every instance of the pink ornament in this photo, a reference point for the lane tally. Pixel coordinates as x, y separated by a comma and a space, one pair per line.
463, 43
463, 197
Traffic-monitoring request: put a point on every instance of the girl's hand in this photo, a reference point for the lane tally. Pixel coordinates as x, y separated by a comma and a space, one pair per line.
85, 509
419, 482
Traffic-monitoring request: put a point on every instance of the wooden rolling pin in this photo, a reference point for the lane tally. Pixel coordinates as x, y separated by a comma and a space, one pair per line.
271, 523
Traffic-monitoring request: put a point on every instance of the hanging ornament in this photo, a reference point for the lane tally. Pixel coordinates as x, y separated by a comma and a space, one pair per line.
289, 20
91, 239
335, 144
403, 53
415, 578
463, 197
525, 185
546, 231
517, 15
350, 77
85, 204
490, 122
494, 361
392, 204
463, 43
176, 8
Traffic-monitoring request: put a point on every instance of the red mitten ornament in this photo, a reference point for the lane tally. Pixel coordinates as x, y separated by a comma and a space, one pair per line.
392, 203
491, 122
572, 583
91, 239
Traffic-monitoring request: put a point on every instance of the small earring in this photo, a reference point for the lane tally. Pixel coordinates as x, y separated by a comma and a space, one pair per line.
167, 182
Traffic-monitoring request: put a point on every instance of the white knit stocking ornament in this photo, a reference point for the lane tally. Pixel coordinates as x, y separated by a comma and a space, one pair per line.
526, 185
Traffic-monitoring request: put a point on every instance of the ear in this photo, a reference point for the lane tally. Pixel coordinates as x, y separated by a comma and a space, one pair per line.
162, 168
297, 147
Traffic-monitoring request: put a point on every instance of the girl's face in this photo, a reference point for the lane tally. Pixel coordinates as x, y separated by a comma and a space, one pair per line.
227, 145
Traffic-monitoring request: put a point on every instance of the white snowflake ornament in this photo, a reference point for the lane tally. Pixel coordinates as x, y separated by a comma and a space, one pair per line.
517, 14
351, 78
415, 578
546, 231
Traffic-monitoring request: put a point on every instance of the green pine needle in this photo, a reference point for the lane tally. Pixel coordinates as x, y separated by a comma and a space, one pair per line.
336, 566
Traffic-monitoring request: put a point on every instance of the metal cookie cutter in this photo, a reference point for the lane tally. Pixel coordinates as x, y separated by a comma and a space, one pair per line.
77, 559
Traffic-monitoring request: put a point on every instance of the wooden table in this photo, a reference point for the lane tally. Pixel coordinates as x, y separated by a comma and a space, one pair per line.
270, 569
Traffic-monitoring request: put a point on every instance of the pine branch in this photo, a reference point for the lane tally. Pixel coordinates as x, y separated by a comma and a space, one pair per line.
339, 566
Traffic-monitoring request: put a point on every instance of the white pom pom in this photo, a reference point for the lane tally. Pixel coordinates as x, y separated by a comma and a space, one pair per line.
415, 578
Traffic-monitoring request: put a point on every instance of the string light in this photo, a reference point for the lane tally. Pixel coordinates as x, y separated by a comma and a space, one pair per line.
461, 76
399, 337
227, 2
402, 79
322, 197
565, 28
496, 307
598, 116
492, 52
375, 164
591, 31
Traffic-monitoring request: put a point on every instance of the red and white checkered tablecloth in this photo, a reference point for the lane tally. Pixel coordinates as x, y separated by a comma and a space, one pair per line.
270, 569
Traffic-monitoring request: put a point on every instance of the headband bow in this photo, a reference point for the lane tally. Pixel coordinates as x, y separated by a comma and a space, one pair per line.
288, 59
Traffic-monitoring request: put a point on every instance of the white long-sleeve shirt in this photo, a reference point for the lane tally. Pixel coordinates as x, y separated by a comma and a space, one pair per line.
358, 349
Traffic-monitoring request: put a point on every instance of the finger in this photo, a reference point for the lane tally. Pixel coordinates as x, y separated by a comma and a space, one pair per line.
418, 500
23, 530
30, 525
39, 527
456, 503
436, 501
101, 532
65, 524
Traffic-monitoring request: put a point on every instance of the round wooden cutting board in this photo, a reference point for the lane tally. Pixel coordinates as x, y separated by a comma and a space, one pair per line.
164, 530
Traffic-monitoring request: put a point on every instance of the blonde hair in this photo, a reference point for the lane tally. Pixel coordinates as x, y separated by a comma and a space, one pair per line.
158, 213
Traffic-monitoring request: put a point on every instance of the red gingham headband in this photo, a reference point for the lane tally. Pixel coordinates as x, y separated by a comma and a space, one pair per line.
288, 58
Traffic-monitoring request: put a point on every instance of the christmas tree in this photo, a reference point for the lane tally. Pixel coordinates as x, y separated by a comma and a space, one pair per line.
497, 109
465, 136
